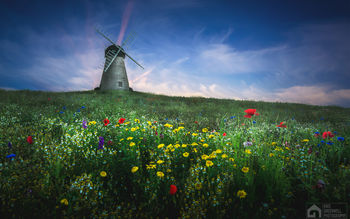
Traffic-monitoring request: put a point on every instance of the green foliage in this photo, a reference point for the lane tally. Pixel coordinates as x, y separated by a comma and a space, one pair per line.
204, 146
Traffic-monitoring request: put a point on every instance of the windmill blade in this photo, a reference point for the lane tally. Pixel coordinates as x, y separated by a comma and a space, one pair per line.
133, 60
98, 31
129, 39
108, 64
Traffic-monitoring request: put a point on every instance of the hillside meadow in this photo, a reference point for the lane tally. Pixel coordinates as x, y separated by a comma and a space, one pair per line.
136, 155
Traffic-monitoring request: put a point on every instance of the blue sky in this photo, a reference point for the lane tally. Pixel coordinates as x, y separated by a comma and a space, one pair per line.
285, 51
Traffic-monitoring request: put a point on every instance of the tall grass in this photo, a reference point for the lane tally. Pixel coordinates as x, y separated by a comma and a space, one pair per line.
203, 146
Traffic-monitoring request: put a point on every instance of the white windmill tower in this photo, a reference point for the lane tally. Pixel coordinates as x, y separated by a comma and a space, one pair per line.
114, 75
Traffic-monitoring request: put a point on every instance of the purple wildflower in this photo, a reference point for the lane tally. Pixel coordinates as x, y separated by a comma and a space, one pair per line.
84, 124
10, 145
100, 143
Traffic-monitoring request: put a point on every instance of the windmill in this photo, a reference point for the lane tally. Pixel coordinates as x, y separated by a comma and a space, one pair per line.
114, 75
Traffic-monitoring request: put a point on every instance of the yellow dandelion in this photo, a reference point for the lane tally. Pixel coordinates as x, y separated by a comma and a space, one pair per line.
194, 150
129, 138
271, 154
194, 134
149, 123
132, 144
136, 120
185, 154
168, 125
103, 173
64, 201
224, 156
248, 151
273, 143
133, 129
245, 169
209, 163
198, 186
184, 145
134, 169
204, 130
168, 170
194, 144
305, 140
160, 146
211, 136
204, 156
218, 151
160, 174
160, 161
241, 194
92, 123
205, 145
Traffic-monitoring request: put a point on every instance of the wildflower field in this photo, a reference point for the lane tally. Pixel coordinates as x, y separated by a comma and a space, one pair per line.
136, 155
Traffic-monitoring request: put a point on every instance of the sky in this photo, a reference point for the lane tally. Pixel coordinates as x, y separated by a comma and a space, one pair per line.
275, 51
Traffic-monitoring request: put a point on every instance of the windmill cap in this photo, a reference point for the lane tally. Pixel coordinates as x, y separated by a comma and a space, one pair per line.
113, 47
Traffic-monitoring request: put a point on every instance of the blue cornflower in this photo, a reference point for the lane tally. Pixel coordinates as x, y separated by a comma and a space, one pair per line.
225, 120
83, 107
322, 142
335, 132
232, 117
292, 118
11, 155
61, 112
330, 143
317, 133
78, 110
100, 143
254, 122
340, 139
64, 107
166, 118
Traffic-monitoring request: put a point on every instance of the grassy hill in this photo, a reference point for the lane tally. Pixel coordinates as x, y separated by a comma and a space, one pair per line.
73, 154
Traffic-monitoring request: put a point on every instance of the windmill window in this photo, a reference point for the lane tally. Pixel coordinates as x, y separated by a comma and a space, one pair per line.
120, 84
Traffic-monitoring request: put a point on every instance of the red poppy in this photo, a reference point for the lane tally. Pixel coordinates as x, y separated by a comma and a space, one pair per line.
106, 122
30, 140
224, 134
121, 120
109, 142
327, 134
49, 99
196, 122
250, 113
172, 190
281, 125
